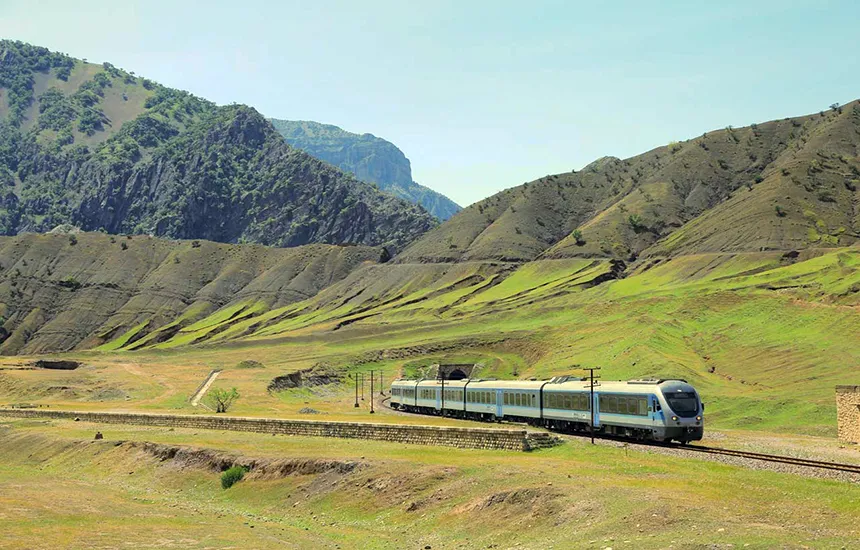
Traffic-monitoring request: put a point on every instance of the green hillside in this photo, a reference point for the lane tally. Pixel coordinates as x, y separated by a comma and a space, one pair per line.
103, 149
370, 158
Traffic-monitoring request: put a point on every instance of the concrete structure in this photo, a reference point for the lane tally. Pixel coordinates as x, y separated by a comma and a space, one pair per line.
470, 438
848, 413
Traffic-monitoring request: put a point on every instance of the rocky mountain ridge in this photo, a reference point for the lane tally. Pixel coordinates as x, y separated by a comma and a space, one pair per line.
782, 185
370, 158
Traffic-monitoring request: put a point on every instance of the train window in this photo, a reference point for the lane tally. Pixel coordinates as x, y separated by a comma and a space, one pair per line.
534, 399
517, 399
643, 406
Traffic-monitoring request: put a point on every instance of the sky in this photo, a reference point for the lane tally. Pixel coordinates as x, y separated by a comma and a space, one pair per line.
480, 95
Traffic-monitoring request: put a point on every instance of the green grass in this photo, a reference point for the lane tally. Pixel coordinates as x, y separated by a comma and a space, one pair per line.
402, 496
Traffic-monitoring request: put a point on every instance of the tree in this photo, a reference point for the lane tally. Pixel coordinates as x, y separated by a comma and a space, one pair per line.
635, 222
577, 236
222, 399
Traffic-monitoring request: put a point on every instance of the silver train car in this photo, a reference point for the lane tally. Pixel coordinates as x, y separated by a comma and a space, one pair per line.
651, 409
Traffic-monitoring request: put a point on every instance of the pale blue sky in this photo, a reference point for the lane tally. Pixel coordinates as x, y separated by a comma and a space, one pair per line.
480, 95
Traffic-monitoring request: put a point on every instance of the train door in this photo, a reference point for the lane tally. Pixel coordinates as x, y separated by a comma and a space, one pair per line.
499, 400
655, 410
438, 393
596, 409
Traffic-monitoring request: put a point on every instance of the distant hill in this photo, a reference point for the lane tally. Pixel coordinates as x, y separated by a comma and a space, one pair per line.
782, 185
102, 149
370, 158
60, 292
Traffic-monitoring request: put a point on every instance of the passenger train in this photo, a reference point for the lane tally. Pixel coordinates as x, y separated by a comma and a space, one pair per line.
648, 409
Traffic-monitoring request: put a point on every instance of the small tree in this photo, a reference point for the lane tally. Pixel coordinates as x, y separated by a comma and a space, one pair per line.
221, 399
635, 222
577, 236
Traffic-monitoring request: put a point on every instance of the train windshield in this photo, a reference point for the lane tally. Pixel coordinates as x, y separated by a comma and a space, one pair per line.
683, 403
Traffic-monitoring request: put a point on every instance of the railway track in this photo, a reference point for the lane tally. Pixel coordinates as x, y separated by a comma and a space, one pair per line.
780, 459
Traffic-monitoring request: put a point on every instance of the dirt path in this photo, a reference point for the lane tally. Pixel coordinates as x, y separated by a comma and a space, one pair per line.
204, 388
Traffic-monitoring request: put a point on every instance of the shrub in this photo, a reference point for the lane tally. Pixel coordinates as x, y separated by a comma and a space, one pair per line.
195, 244
232, 476
73, 240
250, 364
123, 245
70, 283
577, 236
779, 211
826, 196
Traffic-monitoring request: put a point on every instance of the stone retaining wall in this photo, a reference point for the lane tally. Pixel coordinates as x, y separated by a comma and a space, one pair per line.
470, 438
848, 413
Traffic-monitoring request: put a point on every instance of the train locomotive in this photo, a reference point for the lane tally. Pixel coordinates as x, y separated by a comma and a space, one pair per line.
648, 409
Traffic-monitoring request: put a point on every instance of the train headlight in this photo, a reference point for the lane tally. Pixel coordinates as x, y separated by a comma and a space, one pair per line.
699, 418
675, 418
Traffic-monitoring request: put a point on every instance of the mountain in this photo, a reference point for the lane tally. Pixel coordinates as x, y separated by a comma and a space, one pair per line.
782, 185
370, 158
103, 149
81, 290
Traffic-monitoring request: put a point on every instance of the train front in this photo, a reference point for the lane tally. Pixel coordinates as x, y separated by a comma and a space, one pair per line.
683, 411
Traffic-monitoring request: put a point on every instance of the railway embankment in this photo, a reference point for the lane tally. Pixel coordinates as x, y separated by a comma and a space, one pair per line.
465, 437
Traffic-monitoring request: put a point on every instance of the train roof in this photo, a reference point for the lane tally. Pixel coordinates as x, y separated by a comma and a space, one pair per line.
559, 383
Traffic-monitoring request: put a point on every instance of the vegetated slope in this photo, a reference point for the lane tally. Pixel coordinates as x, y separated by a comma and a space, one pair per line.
100, 148
59, 292
781, 185
370, 158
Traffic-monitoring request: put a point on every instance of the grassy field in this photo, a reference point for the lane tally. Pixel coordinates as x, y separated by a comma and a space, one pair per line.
105, 495
764, 340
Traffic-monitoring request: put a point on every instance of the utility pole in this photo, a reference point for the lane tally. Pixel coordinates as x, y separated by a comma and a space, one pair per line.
442, 374
355, 376
362, 386
371, 391
381, 386
591, 399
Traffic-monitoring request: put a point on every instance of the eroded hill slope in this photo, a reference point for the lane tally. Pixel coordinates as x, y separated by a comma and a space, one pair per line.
61, 292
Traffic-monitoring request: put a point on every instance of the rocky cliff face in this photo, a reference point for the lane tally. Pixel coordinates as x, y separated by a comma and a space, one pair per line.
370, 158
104, 150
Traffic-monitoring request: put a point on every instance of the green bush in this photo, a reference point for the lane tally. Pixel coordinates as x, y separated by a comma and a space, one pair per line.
232, 475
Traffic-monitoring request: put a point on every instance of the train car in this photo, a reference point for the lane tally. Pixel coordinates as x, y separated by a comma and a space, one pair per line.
651, 409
